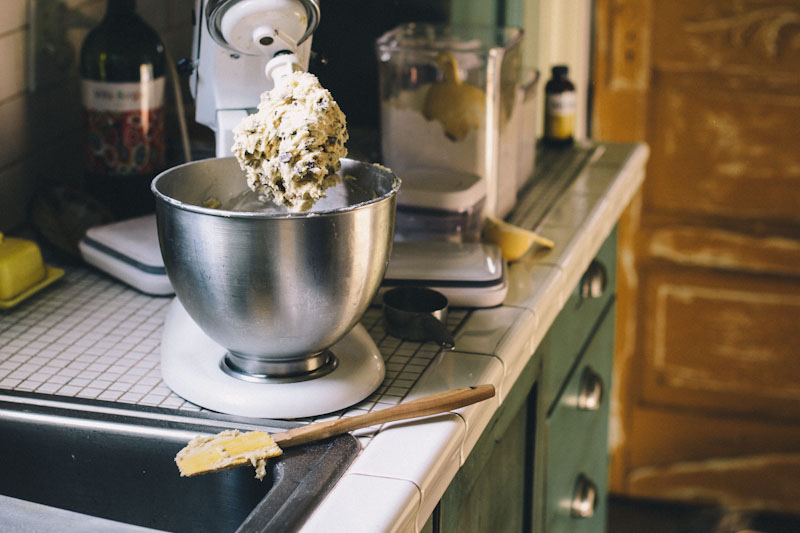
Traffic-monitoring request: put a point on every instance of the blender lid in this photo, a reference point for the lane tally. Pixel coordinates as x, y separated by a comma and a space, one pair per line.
439, 188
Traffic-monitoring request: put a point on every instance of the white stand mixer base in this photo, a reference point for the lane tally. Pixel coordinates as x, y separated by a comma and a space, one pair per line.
190, 366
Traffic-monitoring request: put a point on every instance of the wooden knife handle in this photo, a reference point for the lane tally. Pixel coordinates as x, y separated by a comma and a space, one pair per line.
427, 405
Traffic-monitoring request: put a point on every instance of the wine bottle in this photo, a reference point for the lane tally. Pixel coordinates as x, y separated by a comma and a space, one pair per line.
122, 68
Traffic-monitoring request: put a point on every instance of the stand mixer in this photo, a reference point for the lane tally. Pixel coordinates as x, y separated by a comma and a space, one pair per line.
266, 319
238, 45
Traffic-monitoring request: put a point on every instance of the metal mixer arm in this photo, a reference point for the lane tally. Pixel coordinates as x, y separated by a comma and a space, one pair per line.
282, 65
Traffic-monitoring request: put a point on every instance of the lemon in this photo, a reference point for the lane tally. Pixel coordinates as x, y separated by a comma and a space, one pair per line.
513, 241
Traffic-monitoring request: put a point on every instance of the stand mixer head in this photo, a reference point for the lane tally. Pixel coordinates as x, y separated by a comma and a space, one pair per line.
240, 48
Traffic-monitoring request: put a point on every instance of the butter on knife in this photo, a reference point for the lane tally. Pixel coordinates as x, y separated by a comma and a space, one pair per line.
233, 448
227, 449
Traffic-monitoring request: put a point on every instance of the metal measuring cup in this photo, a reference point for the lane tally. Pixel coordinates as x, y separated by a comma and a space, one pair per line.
417, 314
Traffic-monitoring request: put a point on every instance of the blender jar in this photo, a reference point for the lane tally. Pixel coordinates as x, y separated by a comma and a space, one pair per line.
448, 117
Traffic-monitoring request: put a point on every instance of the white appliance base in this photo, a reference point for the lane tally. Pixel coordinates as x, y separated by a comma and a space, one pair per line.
190, 366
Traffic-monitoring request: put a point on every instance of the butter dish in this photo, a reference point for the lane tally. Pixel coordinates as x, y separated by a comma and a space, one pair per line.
22, 271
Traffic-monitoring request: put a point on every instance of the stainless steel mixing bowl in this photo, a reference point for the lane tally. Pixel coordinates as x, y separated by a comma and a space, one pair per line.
276, 289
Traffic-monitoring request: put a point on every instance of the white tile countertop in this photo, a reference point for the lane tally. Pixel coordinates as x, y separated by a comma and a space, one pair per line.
403, 471
94, 340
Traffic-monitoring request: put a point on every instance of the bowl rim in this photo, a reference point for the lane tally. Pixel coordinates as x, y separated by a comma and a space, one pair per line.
392, 193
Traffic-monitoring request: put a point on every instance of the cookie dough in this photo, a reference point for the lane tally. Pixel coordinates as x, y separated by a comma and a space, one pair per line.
290, 148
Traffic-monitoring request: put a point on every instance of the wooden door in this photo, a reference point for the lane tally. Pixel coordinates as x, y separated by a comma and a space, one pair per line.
707, 401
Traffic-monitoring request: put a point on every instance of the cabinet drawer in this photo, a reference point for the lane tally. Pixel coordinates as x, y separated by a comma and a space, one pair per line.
575, 322
577, 439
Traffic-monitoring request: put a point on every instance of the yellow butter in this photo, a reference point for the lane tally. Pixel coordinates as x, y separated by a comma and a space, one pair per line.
21, 266
226, 450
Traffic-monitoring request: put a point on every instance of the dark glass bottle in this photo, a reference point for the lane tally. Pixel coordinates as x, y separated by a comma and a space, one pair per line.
559, 108
122, 68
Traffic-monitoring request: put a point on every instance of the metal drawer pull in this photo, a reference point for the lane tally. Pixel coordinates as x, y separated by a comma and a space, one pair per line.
594, 280
584, 499
591, 391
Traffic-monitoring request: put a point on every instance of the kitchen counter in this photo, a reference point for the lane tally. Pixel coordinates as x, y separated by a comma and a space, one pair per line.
103, 345
402, 473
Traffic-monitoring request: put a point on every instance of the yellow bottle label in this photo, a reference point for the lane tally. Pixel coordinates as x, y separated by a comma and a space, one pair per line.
559, 120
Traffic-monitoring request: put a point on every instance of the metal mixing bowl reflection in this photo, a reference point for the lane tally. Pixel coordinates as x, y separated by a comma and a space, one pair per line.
276, 289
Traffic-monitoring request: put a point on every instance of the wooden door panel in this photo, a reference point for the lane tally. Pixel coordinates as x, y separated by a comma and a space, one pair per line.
730, 483
723, 98
658, 437
722, 341
725, 249
735, 38
707, 364
683, 455
734, 154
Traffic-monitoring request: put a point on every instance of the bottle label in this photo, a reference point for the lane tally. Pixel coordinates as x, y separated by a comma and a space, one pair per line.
560, 115
125, 126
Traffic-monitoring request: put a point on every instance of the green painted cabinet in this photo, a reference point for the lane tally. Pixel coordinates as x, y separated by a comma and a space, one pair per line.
575, 436
541, 464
